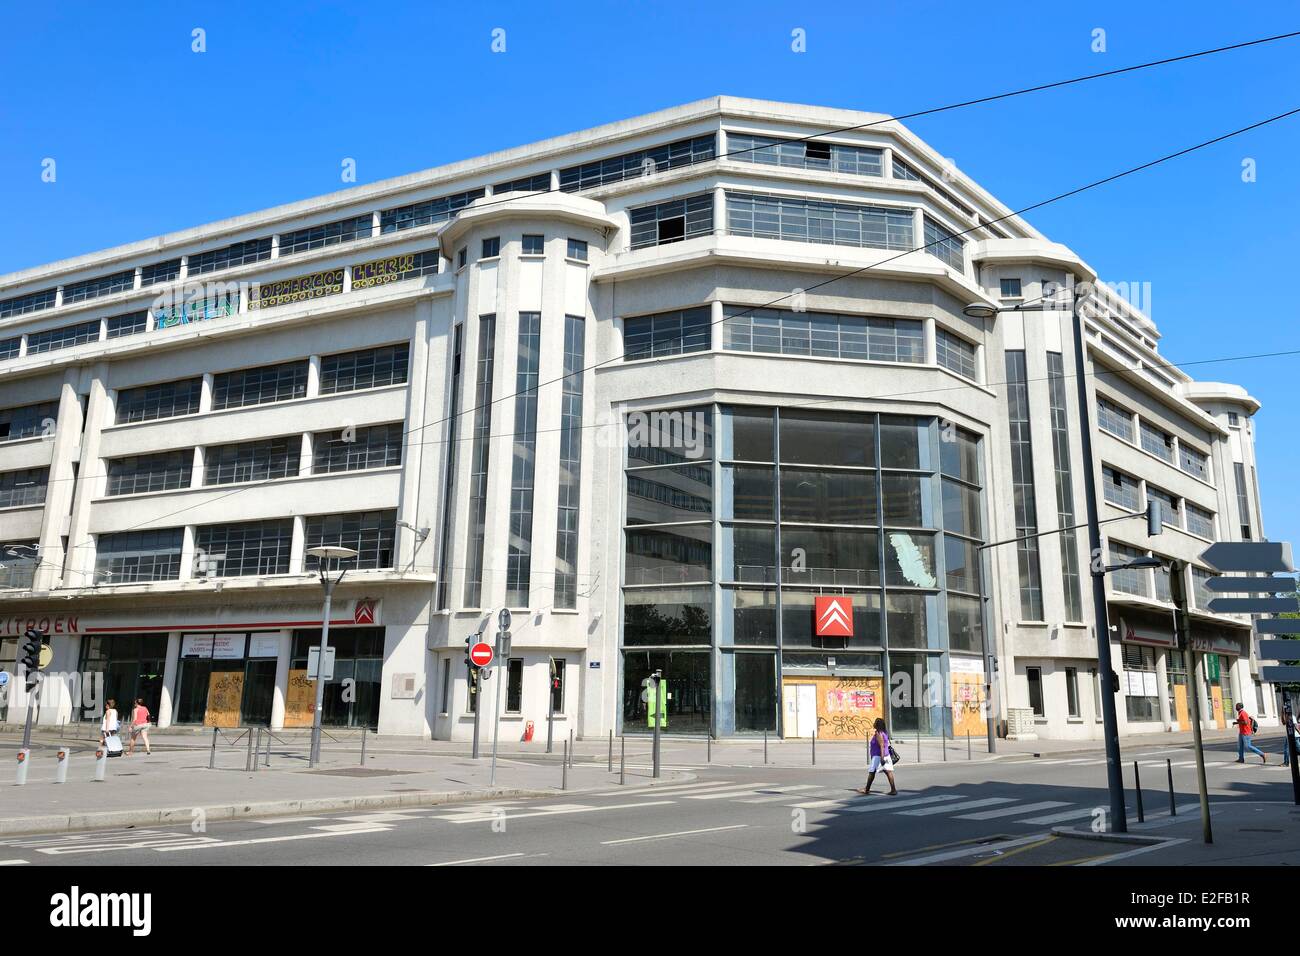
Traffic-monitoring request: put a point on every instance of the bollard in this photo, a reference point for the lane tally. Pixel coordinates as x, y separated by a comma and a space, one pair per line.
610, 768
814, 744
61, 768
20, 776
765, 748
568, 754
943, 742
363, 745
564, 771
709, 748
101, 763
968, 756
622, 760
248, 761
257, 749
918, 742
1169, 766
212, 757
268, 748
1137, 783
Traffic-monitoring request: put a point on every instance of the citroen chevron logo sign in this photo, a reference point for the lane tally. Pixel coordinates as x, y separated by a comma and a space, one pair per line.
834, 615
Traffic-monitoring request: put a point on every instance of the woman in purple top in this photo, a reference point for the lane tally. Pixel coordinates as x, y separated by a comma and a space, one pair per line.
880, 759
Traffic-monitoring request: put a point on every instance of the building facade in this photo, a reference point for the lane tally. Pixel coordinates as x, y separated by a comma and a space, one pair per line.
692, 393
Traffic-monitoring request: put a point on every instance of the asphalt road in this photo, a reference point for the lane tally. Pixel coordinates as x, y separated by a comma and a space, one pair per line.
979, 813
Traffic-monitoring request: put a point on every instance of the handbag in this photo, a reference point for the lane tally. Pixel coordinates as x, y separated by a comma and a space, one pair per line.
893, 754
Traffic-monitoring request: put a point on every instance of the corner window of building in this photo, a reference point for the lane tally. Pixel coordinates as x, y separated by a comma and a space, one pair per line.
491, 248
479, 455
515, 685
1069, 545
534, 245
566, 522
1233, 420
1243, 499
672, 221
1010, 288
522, 472
954, 353
462, 256
1034, 677
669, 333
1072, 691
449, 476
577, 250
1022, 478
445, 708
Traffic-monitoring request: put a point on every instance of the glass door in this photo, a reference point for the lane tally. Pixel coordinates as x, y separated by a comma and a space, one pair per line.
755, 692
259, 690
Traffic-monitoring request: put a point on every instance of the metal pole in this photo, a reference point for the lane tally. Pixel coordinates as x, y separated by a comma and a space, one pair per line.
968, 756
248, 758
660, 706
1169, 767
254, 749
1178, 594
709, 749
496, 714
268, 748
814, 744
622, 761
568, 754
943, 742
33, 701
765, 747
1293, 758
550, 714
364, 731
564, 771
611, 752
918, 739
1114, 775
329, 583
476, 689
212, 756
1137, 785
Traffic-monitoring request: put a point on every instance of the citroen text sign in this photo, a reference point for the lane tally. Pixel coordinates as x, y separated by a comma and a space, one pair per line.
833, 615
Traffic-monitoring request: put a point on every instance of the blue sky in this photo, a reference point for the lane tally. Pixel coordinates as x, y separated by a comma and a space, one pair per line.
149, 136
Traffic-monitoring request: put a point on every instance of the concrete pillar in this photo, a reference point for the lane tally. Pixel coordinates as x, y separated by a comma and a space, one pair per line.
187, 554
716, 329
1162, 688
65, 447
719, 210
313, 376
205, 394
1207, 711
298, 545
282, 662
171, 667
931, 342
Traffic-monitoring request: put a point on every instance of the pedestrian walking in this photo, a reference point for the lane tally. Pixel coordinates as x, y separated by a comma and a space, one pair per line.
1246, 729
882, 758
140, 717
1288, 734
108, 729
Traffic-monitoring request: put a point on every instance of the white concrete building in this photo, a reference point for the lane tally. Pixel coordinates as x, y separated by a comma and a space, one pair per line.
657, 387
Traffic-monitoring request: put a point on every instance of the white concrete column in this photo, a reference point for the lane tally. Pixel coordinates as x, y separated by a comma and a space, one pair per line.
166, 706
197, 468
716, 313
1162, 688
298, 546
307, 454
187, 554
282, 661
981, 375
313, 376
65, 446
931, 342
205, 393
719, 210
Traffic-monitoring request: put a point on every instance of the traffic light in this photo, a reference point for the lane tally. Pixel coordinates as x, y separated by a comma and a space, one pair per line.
1154, 521
555, 676
471, 669
31, 659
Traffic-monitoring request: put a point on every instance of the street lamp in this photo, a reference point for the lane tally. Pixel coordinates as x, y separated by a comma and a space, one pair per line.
1110, 722
325, 555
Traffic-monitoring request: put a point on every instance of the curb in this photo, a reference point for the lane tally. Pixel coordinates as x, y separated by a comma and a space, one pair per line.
224, 812
1109, 837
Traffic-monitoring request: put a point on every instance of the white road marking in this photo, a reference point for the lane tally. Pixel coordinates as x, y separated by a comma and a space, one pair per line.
675, 789
665, 836
969, 851
221, 844
478, 859
556, 812
887, 803
734, 791
954, 807
1012, 811
815, 792
1129, 853
819, 804
12, 862
1059, 817
271, 821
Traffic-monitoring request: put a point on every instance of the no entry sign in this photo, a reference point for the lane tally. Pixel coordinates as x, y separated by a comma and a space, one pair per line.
481, 654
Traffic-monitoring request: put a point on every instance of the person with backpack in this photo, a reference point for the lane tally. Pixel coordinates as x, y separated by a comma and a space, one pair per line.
140, 727
1246, 728
882, 758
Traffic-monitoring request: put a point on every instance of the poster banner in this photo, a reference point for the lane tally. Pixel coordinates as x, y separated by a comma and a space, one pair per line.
225, 695
969, 704
300, 700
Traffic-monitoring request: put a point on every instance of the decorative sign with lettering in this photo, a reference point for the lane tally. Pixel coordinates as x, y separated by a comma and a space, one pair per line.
196, 310
298, 289
48, 623
367, 275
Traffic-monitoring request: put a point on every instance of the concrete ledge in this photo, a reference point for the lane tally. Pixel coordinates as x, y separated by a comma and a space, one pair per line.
1134, 838
175, 815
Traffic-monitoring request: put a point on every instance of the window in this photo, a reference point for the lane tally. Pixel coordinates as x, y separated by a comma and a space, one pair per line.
514, 685
1202, 595
62, 338
672, 221
479, 455
1034, 677
1161, 576
9, 348
1199, 521
326, 234
243, 549
159, 272
903, 170
566, 521
237, 254
445, 707
132, 323
534, 245
18, 561
557, 684
643, 162
1167, 505
1069, 545
1010, 288
131, 557
1111, 418
375, 446
94, 288
20, 489
263, 460
165, 400
1193, 462
427, 212
1156, 441
1243, 499
1072, 691
1120, 489
1141, 702
1233, 420
163, 471
32, 302
259, 386
541, 183
28, 421
805, 154
669, 333
1022, 479
368, 368
1128, 580
522, 469
945, 245
443, 588
372, 534
823, 334
491, 248
806, 220
1095, 679
578, 250
955, 354
462, 256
